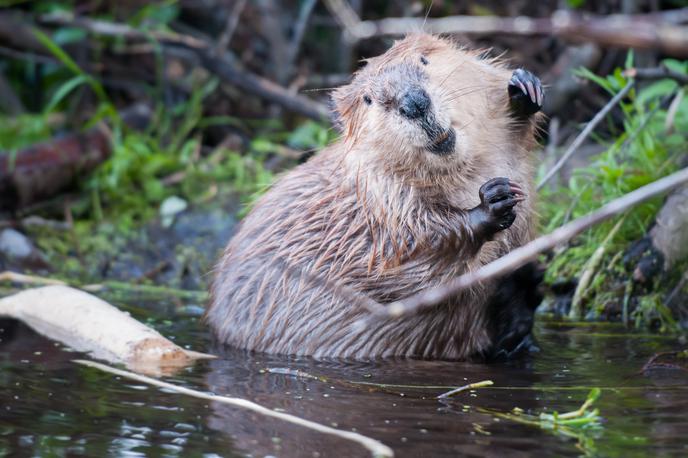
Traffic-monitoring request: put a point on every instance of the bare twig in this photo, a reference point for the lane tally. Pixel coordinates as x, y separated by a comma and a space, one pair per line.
652, 30
376, 448
300, 30
520, 256
113, 29
232, 22
9, 100
263, 88
578, 141
656, 73
653, 364
222, 66
470, 386
345, 15
672, 110
14, 277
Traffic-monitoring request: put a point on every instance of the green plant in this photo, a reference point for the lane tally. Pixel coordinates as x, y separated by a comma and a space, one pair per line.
648, 147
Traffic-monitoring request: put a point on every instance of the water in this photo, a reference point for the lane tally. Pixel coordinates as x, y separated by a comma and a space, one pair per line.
50, 406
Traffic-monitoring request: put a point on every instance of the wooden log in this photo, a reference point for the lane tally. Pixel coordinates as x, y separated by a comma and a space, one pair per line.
40, 171
88, 324
662, 31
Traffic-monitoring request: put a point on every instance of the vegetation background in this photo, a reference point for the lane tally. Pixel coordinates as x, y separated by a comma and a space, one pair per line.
158, 122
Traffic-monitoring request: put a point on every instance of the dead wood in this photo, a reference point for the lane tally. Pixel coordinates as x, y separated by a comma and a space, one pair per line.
223, 66
40, 171
89, 324
585, 133
529, 252
661, 30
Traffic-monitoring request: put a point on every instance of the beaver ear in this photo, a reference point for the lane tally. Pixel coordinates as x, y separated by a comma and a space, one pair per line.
342, 103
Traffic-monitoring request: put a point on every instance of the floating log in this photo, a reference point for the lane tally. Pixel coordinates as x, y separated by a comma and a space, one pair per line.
88, 324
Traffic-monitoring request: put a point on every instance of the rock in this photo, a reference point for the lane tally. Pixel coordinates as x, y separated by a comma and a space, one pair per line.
19, 252
15, 245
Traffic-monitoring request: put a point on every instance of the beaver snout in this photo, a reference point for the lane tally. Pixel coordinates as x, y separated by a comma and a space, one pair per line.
414, 104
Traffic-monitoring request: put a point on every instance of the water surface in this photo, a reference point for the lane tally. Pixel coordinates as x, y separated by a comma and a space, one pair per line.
53, 407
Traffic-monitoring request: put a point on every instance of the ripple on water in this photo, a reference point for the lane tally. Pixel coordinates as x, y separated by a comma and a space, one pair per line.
52, 406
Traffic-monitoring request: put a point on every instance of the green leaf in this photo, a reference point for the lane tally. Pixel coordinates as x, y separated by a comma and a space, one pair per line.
655, 90
58, 52
587, 74
676, 65
68, 35
594, 395
64, 90
629, 59
68, 62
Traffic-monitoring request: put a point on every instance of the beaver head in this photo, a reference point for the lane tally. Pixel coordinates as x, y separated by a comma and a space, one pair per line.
424, 103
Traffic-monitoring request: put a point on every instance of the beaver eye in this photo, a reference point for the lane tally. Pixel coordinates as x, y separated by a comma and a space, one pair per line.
367, 100
423, 60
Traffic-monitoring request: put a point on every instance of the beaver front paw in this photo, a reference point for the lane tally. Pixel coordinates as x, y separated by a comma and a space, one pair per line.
526, 94
498, 197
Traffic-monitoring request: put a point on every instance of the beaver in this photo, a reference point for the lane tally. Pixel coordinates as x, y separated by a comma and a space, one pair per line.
431, 177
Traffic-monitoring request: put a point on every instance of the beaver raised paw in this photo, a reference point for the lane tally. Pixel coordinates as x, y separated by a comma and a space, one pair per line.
526, 94
498, 197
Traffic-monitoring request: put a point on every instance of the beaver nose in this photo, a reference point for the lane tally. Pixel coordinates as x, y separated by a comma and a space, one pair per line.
414, 103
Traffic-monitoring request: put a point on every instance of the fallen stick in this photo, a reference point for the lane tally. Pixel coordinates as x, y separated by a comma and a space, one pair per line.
41, 170
528, 252
86, 323
23, 279
219, 64
656, 73
578, 141
375, 447
470, 386
641, 31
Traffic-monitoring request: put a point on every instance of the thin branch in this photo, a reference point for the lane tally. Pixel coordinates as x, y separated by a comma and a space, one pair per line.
345, 15
22, 279
300, 30
262, 87
528, 252
9, 100
114, 29
470, 386
222, 66
585, 133
642, 31
228, 32
375, 447
656, 73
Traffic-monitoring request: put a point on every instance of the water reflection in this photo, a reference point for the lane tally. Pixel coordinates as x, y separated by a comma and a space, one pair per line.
51, 406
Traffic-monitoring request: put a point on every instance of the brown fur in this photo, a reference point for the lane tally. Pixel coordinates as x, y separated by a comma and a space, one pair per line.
377, 214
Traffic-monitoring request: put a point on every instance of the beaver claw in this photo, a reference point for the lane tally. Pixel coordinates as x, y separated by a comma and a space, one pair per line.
498, 197
526, 94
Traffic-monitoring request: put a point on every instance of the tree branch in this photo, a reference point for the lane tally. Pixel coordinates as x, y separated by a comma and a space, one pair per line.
376, 448
578, 141
653, 30
528, 252
221, 65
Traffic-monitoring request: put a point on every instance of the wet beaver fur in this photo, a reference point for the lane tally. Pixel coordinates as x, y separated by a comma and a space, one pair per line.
430, 178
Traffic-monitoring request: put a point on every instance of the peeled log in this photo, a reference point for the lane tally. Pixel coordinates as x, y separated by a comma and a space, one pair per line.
89, 324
